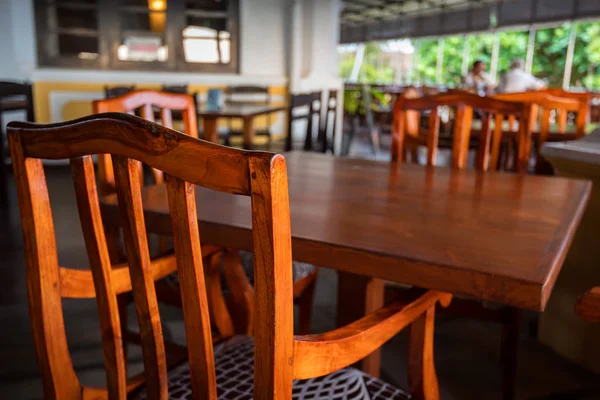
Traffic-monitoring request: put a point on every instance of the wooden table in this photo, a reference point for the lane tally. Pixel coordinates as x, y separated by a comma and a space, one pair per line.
493, 236
247, 112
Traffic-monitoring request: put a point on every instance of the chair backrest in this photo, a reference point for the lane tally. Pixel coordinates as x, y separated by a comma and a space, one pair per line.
247, 95
279, 357
583, 115
312, 102
464, 104
330, 121
21, 92
548, 106
147, 101
116, 91
174, 88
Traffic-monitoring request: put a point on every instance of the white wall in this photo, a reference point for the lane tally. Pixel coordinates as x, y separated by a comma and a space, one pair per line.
262, 50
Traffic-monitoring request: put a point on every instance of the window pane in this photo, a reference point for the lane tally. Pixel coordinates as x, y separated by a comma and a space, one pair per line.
143, 22
549, 54
513, 45
427, 61
142, 48
453, 56
480, 48
586, 57
207, 5
71, 45
219, 24
76, 18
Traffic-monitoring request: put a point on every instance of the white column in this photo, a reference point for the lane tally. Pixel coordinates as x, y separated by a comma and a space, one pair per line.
440, 62
569, 59
495, 57
530, 48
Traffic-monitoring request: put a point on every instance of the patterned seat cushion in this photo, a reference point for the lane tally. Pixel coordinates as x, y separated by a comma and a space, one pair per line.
235, 374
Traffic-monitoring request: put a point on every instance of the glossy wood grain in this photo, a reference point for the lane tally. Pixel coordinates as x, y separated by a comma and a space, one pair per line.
278, 354
499, 237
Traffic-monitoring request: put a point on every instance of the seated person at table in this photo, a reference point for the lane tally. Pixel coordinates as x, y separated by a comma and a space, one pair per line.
477, 80
517, 80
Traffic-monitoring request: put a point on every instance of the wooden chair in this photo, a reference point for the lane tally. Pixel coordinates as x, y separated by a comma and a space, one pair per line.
248, 95
266, 365
464, 103
116, 91
487, 156
588, 305
549, 110
582, 116
330, 122
312, 103
366, 110
305, 275
14, 96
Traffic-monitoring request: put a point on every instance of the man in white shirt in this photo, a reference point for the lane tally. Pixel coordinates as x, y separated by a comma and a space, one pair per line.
477, 80
517, 80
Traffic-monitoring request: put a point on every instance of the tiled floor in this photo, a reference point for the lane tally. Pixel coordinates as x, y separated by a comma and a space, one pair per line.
467, 352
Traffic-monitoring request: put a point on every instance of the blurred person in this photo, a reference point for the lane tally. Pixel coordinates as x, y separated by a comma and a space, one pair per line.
517, 80
477, 80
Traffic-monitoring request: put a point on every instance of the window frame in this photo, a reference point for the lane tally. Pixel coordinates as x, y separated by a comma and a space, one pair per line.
110, 33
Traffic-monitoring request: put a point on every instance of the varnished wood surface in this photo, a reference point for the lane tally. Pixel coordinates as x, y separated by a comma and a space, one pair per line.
494, 236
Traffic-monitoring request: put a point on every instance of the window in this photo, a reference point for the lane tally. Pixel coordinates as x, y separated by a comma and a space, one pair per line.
549, 54
181, 35
513, 45
452, 70
586, 57
426, 64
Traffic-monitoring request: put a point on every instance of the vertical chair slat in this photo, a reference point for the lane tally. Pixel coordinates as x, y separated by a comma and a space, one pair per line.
182, 206
93, 232
271, 233
43, 283
146, 305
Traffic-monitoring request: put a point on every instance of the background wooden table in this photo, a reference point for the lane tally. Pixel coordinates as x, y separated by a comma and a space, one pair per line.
494, 236
247, 112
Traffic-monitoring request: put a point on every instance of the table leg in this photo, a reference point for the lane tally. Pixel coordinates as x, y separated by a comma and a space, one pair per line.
248, 132
357, 296
210, 129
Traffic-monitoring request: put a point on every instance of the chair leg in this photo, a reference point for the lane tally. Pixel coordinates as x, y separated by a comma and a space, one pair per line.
305, 303
509, 351
422, 378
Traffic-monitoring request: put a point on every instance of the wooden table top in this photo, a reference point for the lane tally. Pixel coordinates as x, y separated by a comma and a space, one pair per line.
495, 236
240, 110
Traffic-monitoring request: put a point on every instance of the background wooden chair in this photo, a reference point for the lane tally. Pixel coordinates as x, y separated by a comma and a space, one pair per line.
276, 356
242, 307
487, 158
309, 105
493, 111
239, 95
549, 120
14, 96
116, 91
329, 122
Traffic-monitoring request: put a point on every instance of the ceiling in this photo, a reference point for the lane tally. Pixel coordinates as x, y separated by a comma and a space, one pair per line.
371, 20
358, 12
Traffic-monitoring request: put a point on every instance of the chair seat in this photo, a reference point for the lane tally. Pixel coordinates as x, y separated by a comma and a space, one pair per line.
234, 363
